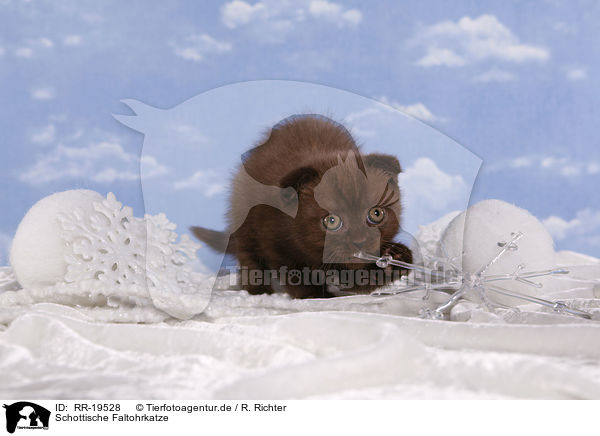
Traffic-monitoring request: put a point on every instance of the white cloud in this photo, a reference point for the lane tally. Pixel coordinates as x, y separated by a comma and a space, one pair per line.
417, 110
2, 51
513, 163
495, 75
521, 162
440, 56
563, 166
238, 12
27, 50
570, 170
558, 227
185, 135
585, 224
593, 168
427, 188
551, 161
109, 175
576, 73
210, 182
24, 52
151, 167
272, 20
42, 94
45, 42
471, 40
72, 40
560, 165
101, 162
45, 135
335, 13
197, 47
354, 116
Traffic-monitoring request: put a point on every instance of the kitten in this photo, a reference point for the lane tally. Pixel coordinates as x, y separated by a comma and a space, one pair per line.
306, 200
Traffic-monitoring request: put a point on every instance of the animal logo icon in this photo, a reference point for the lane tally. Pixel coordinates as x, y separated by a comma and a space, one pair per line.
26, 415
201, 140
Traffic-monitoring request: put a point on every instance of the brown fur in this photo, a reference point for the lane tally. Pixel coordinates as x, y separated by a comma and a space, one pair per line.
308, 167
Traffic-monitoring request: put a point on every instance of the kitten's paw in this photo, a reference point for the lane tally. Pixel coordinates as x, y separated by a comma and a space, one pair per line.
398, 252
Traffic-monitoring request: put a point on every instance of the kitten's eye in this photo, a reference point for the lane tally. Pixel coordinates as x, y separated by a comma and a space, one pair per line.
376, 215
332, 222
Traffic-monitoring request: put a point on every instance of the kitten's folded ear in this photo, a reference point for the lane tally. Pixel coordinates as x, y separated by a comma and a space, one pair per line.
296, 179
385, 162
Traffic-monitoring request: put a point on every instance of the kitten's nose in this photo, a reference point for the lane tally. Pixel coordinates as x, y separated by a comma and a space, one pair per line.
360, 241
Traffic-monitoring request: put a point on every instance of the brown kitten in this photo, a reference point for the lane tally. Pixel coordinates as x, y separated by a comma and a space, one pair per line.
305, 199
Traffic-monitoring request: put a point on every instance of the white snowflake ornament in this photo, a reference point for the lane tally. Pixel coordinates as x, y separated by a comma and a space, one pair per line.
109, 256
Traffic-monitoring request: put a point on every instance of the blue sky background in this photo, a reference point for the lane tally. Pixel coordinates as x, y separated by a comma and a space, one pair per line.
514, 82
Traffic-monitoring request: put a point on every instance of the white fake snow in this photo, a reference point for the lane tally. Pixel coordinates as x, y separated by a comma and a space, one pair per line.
273, 347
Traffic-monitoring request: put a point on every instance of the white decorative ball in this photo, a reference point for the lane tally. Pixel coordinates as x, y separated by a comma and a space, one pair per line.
476, 236
38, 253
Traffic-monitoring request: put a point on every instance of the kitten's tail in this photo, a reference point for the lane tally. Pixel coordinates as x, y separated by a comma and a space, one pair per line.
218, 241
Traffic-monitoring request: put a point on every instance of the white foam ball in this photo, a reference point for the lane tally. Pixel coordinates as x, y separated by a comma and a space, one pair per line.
475, 236
37, 254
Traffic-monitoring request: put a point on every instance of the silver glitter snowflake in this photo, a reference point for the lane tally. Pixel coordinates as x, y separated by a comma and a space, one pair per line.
445, 275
